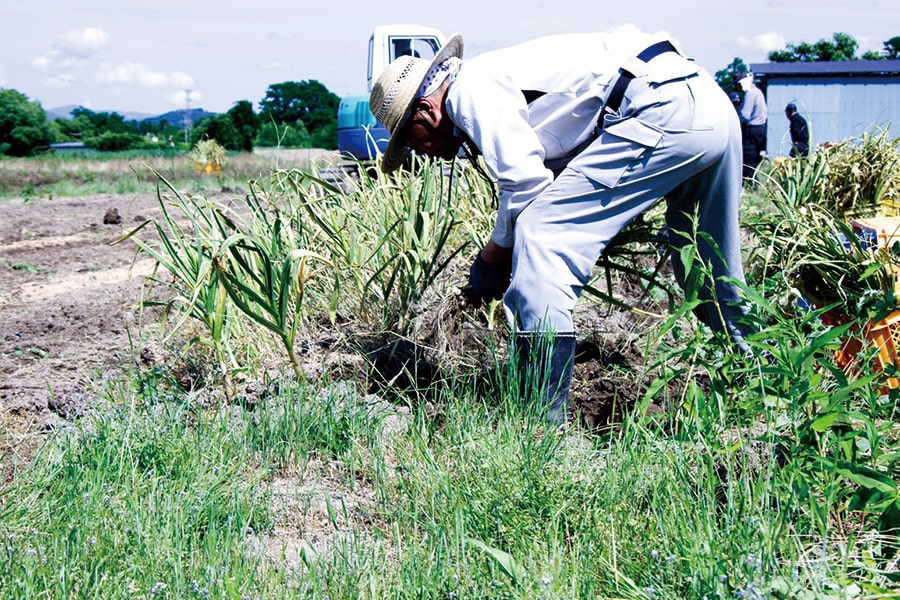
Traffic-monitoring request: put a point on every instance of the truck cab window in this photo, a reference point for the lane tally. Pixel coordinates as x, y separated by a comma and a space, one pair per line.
418, 47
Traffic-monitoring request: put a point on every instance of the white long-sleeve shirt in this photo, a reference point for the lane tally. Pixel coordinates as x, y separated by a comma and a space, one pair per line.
753, 108
522, 143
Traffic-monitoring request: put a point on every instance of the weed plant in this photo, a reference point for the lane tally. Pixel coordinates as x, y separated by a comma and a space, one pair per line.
185, 246
134, 502
805, 243
856, 177
388, 238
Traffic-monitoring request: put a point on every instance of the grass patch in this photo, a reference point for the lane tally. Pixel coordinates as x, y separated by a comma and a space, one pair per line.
92, 173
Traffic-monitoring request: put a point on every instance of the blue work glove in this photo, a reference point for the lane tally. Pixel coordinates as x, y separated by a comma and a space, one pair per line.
487, 281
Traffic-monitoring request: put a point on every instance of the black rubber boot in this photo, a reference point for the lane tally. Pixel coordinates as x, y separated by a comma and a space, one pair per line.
545, 365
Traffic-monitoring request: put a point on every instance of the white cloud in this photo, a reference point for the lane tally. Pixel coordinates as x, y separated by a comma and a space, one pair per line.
2, 77
140, 74
72, 49
82, 42
764, 42
183, 98
626, 28
631, 28
55, 61
274, 66
44, 63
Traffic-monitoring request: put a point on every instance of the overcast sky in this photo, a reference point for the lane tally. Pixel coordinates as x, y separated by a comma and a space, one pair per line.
153, 56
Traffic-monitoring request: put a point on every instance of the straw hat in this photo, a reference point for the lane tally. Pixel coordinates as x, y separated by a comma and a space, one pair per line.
395, 90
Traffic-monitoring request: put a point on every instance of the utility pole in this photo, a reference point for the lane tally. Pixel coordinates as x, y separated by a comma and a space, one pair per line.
187, 116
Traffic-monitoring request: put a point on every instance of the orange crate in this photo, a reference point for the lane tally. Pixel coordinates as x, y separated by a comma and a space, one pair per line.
884, 335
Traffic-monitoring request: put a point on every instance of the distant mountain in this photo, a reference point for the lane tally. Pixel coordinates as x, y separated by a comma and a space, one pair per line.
60, 112
131, 115
178, 118
175, 118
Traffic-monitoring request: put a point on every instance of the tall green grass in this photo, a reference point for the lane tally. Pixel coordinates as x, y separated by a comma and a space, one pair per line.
164, 499
389, 238
131, 502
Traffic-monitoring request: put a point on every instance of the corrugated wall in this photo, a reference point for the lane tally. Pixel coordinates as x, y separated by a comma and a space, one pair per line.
836, 108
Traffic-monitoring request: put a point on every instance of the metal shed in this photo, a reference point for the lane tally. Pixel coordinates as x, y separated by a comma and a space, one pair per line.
68, 146
840, 99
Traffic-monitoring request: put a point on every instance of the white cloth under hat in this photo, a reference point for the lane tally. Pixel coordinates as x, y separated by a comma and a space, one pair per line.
438, 74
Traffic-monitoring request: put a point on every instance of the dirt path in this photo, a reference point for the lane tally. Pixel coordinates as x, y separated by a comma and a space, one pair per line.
66, 298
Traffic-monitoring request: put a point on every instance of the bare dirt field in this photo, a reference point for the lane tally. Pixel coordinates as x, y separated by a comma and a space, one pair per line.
67, 297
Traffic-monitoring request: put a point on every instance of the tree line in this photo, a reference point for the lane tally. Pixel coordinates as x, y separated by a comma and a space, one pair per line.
841, 47
292, 114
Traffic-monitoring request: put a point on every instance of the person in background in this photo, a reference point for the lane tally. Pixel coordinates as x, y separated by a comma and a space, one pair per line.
799, 131
582, 133
754, 115
735, 100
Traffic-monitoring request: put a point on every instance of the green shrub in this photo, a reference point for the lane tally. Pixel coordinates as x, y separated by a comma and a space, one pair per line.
24, 127
115, 142
286, 135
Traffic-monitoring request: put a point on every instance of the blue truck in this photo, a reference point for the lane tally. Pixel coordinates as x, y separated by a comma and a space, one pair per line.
360, 136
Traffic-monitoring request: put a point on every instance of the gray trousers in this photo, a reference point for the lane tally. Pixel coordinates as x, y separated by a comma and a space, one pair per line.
680, 140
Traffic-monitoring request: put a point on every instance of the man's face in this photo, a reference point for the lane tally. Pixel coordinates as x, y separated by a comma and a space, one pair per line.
428, 132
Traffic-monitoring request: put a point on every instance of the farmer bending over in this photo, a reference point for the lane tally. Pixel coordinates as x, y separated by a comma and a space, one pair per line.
583, 133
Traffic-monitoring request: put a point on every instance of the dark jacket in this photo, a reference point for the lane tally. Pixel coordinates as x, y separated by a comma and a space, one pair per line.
799, 135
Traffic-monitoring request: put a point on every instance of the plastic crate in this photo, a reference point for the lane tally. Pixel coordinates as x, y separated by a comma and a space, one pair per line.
884, 335
893, 271
877, 233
